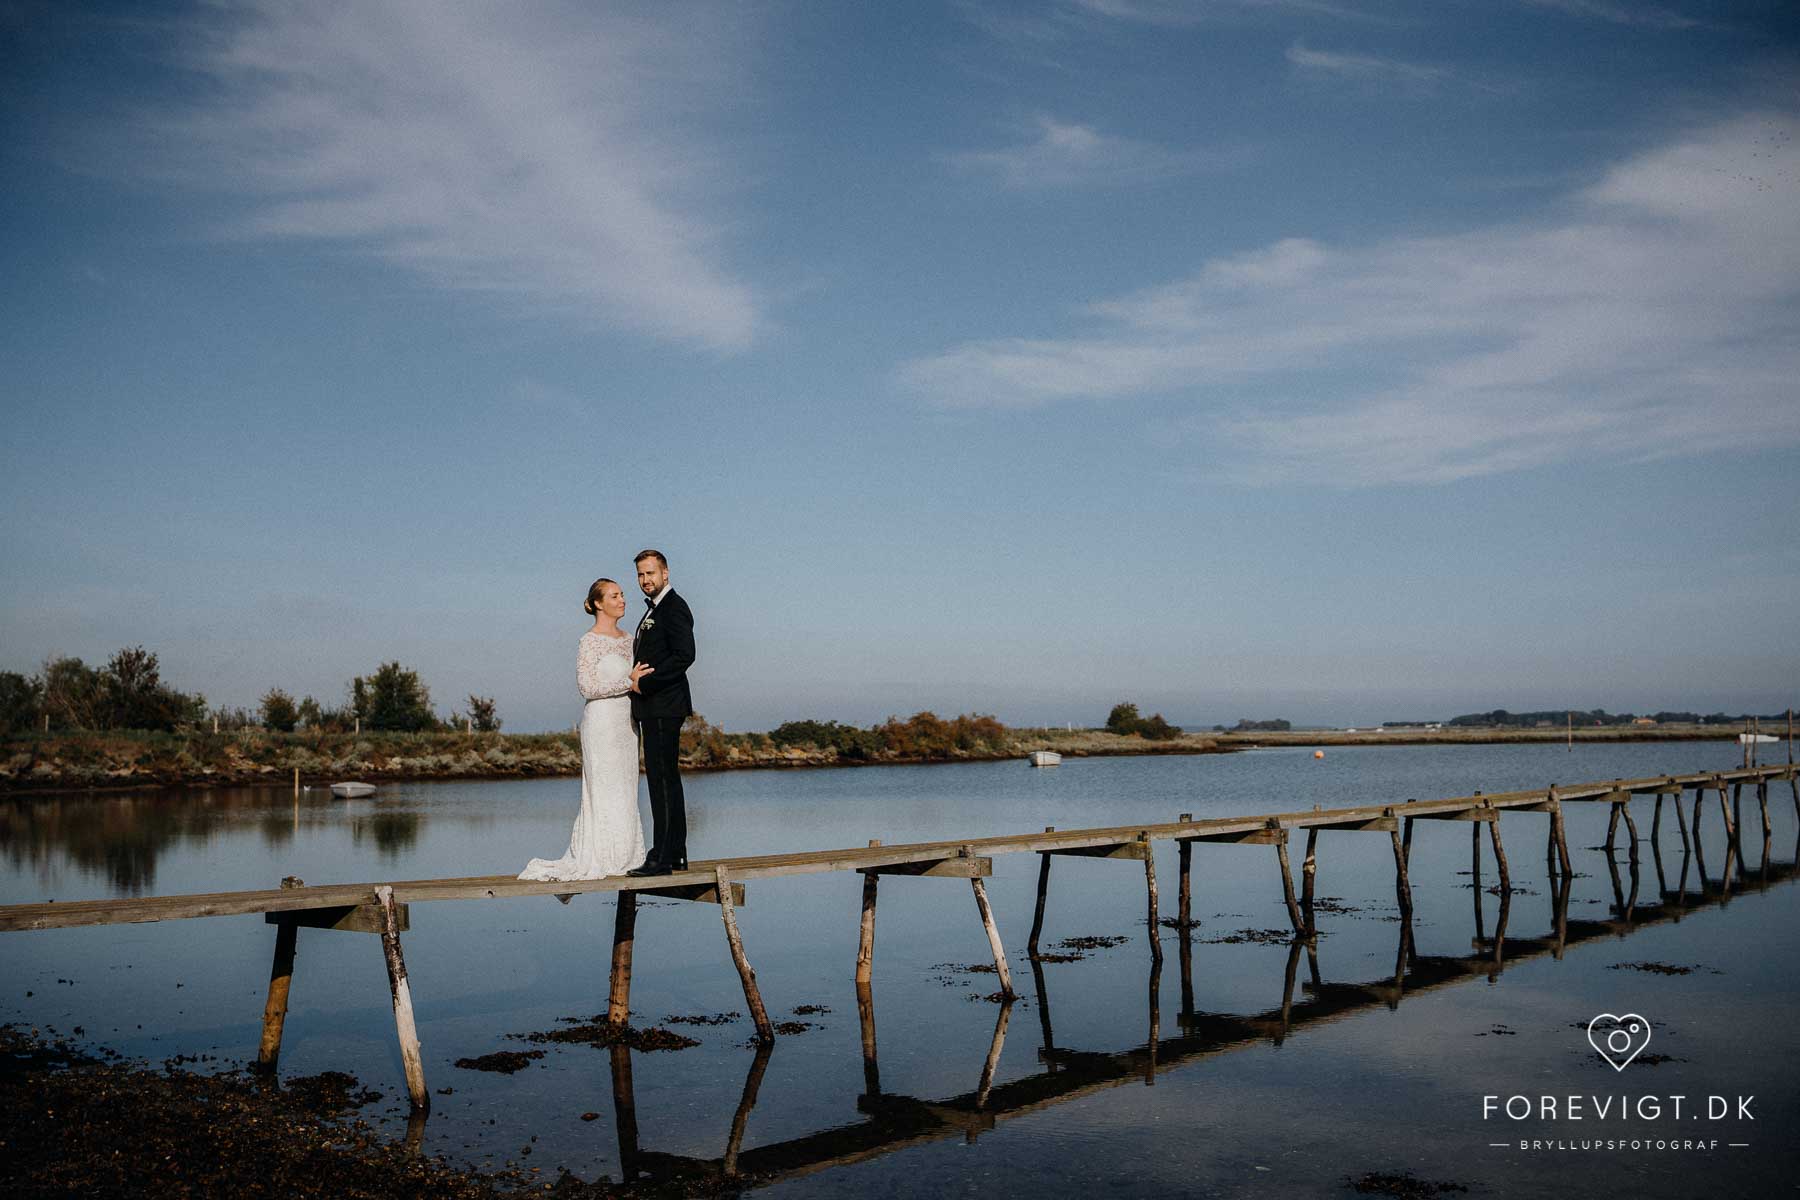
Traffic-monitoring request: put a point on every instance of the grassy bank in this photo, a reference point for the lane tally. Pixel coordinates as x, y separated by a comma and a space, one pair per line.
127, 759
123, 759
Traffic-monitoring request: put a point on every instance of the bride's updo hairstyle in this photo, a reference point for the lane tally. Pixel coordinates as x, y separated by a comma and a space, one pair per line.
592, 607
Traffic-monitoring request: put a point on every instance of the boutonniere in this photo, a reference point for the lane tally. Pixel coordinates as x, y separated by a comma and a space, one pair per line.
649, 623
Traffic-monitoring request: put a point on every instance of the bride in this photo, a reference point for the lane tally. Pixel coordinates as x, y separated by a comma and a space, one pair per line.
609, 836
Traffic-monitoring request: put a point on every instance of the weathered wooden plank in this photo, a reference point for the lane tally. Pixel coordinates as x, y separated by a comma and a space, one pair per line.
942, 868
1135, 850
348, 918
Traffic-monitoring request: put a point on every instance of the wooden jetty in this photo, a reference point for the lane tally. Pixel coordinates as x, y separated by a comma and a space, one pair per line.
385, 908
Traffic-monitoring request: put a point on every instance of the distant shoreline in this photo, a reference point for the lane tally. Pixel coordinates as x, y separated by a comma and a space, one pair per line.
117, 762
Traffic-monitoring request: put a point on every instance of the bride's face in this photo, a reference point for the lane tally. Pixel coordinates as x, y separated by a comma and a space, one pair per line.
612, 601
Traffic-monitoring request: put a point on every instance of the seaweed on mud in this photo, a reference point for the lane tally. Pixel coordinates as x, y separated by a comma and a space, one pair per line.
598, 1031
1661, 968
965, 968
789, 1028
502, 1062
1094, 942
1259, 937
1052, 957
810, 1010
724, 1018
1403, 1184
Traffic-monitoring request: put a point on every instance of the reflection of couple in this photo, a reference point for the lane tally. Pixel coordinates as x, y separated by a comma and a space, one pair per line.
632, 682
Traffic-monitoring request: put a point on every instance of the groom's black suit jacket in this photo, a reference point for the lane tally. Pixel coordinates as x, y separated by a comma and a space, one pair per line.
665, 640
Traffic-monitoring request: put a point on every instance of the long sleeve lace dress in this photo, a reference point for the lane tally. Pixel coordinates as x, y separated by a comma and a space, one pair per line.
608, 838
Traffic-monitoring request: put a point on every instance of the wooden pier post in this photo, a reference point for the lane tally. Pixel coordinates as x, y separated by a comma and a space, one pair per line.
1630, 830
765, 1032
618, 999
1556, 827
1475, 853
1308, 870
865, 947
402, 995
1612, 825
865, 1014
1156, 951
1656, 820
993, 932
1725, 812
1499, 856
1287, 885
1184, 911
1043, 898
1402, 887
1681, 823
1406, 839
281, 978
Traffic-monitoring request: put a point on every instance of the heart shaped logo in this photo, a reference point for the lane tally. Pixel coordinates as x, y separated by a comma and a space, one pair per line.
1618, 1039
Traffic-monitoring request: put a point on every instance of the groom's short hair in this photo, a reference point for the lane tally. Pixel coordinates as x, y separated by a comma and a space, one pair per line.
656, 554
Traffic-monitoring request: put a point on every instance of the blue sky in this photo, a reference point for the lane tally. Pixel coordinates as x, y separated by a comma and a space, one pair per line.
1337, 361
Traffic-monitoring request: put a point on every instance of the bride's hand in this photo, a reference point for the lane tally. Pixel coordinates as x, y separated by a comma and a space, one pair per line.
638, 672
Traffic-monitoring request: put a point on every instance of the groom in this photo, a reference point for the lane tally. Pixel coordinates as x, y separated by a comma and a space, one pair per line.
659, 704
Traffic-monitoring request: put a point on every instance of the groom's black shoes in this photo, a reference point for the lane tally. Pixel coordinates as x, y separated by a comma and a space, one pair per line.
650, 866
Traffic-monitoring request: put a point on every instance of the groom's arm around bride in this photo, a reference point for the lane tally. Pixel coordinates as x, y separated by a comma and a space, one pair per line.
661, 703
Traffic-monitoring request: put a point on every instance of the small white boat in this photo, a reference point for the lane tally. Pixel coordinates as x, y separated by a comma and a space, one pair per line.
1044, 758
1760, 739
352, 791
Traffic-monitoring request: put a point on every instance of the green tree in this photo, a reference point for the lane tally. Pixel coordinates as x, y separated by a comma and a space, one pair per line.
482, 714
279, 712
74, 695
21, 701
1123, 719
393, 698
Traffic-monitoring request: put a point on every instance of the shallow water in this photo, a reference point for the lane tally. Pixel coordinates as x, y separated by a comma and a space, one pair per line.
1239, 1068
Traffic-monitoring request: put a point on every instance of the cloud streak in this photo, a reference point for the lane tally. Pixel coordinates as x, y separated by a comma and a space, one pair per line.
1658, 317
544, 154
1344, 65
1058, 153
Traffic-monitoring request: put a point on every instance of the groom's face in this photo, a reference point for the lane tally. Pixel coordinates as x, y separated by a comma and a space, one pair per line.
652, 574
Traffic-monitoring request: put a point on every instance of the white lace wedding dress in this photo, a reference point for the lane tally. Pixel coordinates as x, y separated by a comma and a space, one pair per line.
609, 835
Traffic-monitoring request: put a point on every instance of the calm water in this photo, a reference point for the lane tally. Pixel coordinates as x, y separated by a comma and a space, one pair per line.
1108, 1076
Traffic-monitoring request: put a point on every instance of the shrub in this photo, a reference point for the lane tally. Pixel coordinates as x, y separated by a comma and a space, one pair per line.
482, 715
392, 698
279, 711
21, 702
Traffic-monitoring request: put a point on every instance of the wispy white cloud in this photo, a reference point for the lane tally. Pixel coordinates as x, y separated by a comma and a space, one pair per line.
1343, 65
546, 153
1193, 12
1648, 16
1056, 153
1661, 316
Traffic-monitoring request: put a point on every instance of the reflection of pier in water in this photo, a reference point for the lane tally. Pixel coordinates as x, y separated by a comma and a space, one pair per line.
894, 1122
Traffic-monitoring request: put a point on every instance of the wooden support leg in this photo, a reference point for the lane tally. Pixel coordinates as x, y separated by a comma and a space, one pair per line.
1406, 840
865, 948
1287, 887
765, 1032
1681, 823
1656, 820
1402, 886
1630, 831
1725, 813
618, 1000
1184, 912
1043, 897
1475, 854
1612, 826
1156, 952
865, 1013
402, 994
1562, 840
1499, 852
281, 978
993, 936
1309, 869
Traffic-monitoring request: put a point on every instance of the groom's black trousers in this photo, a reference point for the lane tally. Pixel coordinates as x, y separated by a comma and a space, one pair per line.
662, 772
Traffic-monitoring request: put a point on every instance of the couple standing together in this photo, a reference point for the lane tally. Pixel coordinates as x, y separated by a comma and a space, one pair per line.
632, 683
